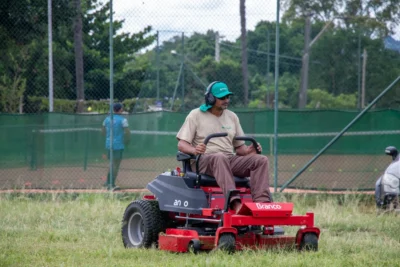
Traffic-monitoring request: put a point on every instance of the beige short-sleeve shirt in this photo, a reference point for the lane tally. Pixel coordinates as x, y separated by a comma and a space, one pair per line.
198, 125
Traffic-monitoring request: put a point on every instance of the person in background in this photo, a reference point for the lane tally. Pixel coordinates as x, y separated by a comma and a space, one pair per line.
224, 157
121, 138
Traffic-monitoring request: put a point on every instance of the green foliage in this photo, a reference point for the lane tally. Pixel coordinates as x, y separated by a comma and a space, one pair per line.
322, 99
100, 106
97, 54
201, 45
138, 104
288, 90
335, 59
380, 17
11, 93
24, 20
25, 23
257, 103
41, 104
12, 82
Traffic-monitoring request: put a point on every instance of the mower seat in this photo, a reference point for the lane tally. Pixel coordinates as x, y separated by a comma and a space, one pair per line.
206, 180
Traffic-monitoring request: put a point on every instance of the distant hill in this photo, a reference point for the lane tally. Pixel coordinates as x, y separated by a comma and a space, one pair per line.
392, 44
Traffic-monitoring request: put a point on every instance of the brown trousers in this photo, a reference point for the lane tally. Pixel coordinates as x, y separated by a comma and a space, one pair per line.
223, 168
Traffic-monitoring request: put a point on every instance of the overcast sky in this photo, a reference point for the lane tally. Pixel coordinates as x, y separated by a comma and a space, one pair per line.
194, 15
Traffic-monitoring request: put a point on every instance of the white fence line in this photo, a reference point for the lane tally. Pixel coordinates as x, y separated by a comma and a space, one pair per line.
282, 135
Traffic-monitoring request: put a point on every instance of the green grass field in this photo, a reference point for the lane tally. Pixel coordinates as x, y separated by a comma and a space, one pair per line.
84, 230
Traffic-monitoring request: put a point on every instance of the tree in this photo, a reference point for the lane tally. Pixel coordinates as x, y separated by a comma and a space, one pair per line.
25, 20
78, 49
243, 40
323, 10
96, 47
367, 20
200, 45
13, 83
23, 23
23, 27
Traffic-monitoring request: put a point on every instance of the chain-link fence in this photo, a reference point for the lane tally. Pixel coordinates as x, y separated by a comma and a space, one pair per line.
67, 151
165, 55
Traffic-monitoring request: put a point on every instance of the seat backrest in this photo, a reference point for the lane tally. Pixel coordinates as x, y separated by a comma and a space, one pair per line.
185, 158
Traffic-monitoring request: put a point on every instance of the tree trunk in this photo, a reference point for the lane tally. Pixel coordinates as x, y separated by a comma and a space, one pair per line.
78, 46
305, 64
243, 39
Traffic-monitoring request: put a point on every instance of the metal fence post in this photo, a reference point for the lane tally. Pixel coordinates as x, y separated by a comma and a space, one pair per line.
340, 134
85, 160
276, 106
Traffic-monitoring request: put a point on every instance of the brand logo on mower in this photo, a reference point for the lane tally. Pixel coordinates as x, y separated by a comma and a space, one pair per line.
178, 203
265, 206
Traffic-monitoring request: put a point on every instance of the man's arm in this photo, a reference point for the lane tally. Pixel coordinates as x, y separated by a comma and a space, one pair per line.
187, 148
186, 135
127, 132
127, 135
103, 128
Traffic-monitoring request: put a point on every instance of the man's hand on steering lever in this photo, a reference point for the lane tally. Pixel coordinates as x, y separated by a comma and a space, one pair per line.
244, 150
252, 150
200, 149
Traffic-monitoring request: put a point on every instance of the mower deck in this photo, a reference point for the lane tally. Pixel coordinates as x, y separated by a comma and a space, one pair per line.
176, 240
268, 215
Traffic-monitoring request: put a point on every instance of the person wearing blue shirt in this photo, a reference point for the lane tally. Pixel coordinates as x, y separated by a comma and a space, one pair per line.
121, 138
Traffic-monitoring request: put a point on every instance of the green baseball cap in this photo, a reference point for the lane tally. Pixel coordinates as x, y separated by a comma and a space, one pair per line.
220, 89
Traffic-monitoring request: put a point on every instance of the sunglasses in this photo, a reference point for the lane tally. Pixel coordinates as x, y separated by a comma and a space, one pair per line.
223, 98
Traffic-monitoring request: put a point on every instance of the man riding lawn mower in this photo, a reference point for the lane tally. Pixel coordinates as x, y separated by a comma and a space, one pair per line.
220, 199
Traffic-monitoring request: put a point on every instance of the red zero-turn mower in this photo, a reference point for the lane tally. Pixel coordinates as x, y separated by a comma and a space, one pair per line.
188, 212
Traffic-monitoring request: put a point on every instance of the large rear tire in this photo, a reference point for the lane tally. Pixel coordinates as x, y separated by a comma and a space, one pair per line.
141, 224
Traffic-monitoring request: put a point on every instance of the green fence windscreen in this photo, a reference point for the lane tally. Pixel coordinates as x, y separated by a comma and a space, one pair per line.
68, 151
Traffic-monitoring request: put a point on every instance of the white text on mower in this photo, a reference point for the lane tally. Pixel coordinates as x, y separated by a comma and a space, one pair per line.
262, 206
